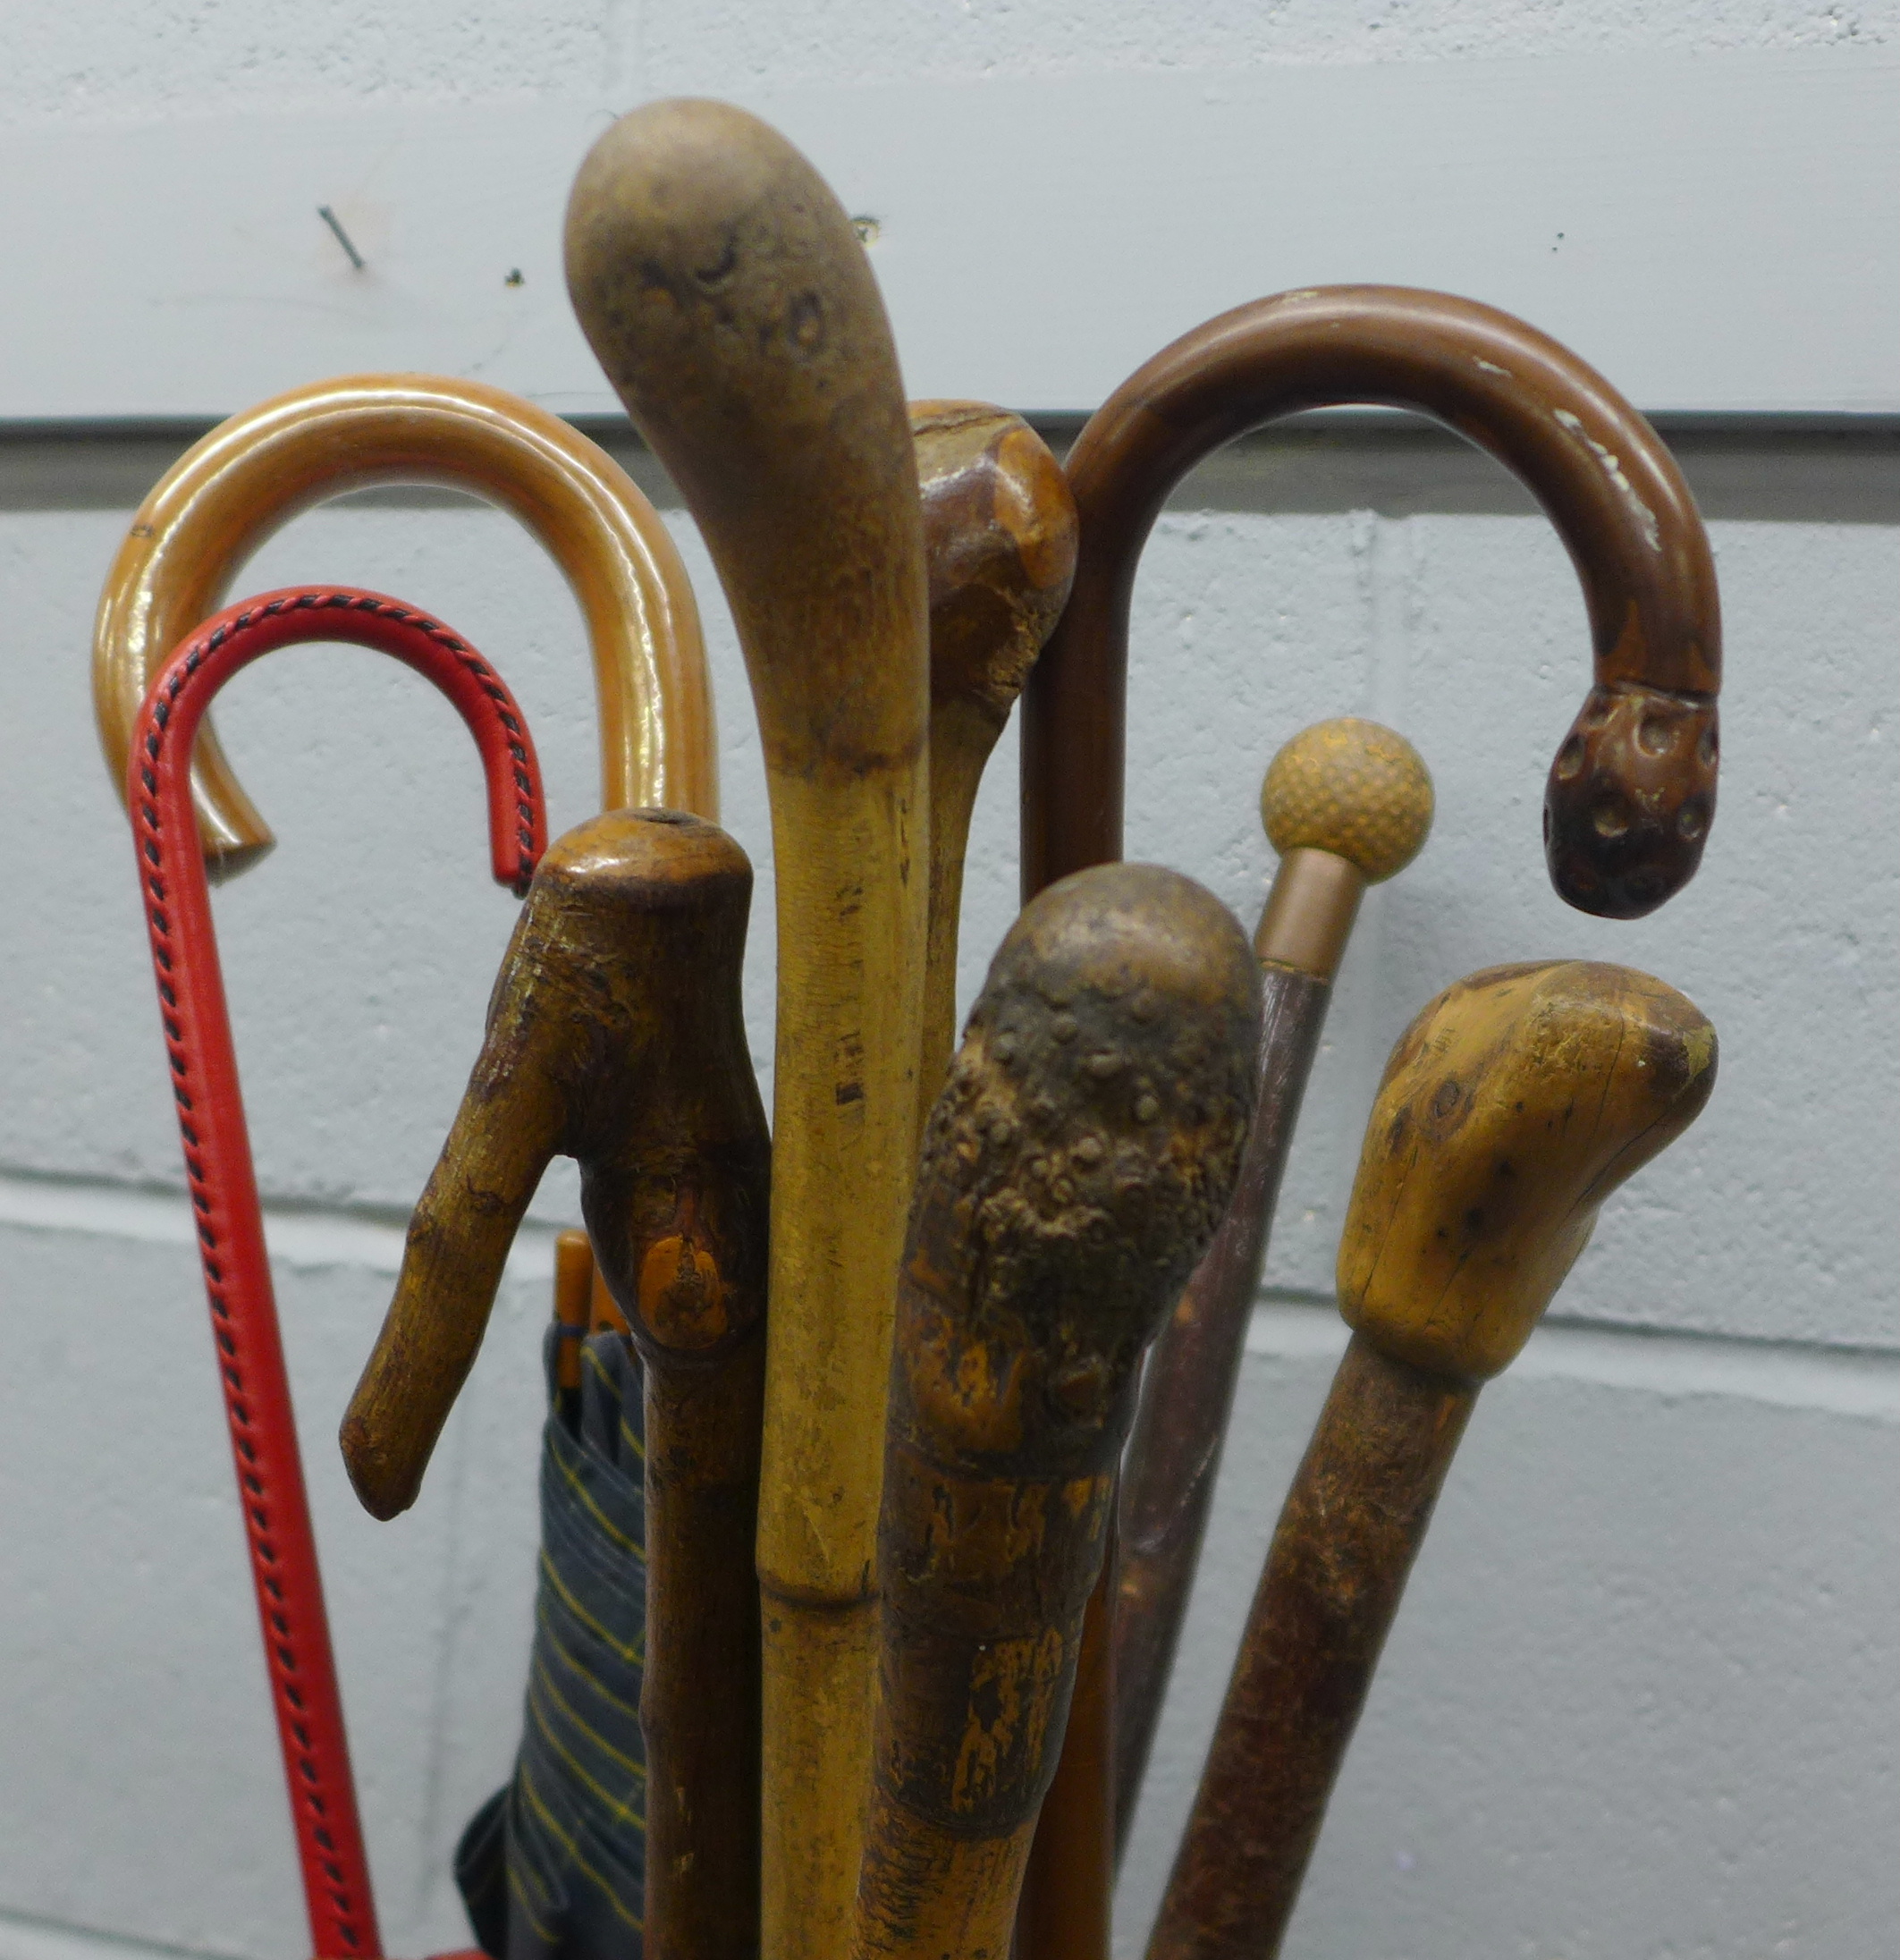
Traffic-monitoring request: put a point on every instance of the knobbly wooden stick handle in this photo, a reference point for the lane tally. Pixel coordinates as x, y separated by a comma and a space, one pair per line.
726, 295
615, 1037
1347, 804
1631, 791
1073, 1169
1512, 1107
253, 474
999, 541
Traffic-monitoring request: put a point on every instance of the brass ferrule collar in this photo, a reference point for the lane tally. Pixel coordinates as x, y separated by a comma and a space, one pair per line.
1310, 912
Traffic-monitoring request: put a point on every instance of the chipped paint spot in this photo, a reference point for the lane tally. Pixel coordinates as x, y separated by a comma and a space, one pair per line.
1613, 468
1490, 366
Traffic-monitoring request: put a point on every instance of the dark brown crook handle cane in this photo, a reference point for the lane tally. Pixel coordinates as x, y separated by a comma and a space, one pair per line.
1631, 790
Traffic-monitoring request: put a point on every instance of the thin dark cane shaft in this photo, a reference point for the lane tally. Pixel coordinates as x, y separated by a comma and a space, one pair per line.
1073, 1171
1068, 1884
1174, 1453
1352, 1526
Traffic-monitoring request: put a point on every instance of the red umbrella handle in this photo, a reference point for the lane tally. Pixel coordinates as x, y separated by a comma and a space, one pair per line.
223, 1186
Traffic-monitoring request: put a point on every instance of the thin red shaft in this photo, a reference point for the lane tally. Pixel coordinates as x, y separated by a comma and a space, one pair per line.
223, 1184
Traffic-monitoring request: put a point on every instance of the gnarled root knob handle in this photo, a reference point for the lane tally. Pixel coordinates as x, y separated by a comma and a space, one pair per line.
1073, 1170
614, 1037
1511, 1108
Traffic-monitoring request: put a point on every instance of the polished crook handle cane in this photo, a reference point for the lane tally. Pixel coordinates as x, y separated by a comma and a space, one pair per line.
251, 475
198, 1046
1631, 790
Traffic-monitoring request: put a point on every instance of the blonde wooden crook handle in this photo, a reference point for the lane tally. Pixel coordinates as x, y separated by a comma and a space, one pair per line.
253, 474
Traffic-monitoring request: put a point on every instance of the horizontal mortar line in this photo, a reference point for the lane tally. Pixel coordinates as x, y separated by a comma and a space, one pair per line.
301, 1237
26, 1936
1289, 1324
1767, 465
1855, 1381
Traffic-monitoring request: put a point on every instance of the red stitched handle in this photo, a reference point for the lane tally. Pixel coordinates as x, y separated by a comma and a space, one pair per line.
223, 1184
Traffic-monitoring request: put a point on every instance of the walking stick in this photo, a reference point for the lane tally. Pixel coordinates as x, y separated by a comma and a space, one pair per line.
224, 1186
999, 546
615, 1036
1631, 790
726, 295
1074, 1169
1347, 804
251, 475
1511, 1108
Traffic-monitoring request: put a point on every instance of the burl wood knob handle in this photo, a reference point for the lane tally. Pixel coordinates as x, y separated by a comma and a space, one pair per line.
1512, 1107
1073, 1170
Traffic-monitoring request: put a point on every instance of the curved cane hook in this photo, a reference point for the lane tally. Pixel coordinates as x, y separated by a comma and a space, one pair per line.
1632, 789
254, 473
173, 884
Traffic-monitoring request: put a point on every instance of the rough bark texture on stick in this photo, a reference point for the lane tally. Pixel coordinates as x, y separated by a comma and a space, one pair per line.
615, 1037
1347, 804
999, 539
1631, 792
251, 475
1074, 1169
1512, 1107
726, 295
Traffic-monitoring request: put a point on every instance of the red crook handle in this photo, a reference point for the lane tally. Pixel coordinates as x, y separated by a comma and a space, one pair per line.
223, 1184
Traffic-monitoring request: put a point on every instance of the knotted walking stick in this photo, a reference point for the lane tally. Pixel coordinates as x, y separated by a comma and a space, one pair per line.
1074, 1168
615, 1037
1515, 1104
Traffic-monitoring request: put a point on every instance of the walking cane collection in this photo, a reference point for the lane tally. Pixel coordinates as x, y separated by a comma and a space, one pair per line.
868, 1515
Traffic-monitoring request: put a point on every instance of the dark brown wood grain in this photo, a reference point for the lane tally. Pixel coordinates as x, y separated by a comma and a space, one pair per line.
1350, 1530
1631, 795
1073, 1169
615, 1037
1187, 1390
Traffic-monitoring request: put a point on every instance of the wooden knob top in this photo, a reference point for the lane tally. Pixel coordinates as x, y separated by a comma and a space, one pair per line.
999, 526
1352, 787
1511, 1108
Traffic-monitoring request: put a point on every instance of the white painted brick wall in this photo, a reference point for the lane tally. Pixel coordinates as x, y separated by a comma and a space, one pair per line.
1640, 1698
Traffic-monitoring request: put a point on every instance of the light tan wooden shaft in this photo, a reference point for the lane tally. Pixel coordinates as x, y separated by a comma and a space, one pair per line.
726, 295
251, 475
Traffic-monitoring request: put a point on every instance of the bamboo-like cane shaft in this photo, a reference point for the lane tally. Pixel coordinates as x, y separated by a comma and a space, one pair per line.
1511, 1108
728, 297
251, 475
1347, 804
1073, 1169
616, 1036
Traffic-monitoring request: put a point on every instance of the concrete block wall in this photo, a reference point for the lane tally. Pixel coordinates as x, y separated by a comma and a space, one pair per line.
1640, 1698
